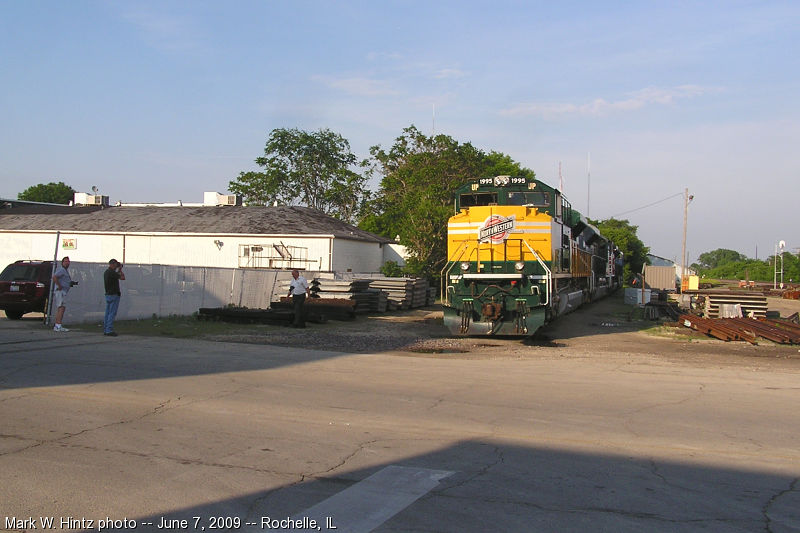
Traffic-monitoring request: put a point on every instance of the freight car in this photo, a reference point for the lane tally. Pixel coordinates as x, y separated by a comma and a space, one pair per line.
518, 256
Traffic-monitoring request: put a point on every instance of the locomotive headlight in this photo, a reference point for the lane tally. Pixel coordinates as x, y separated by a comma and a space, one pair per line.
465, 266
519, 266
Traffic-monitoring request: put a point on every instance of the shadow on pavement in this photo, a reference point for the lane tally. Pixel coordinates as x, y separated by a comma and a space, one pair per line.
501, 487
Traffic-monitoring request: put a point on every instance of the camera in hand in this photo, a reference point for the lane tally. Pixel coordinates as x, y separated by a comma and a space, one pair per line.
73, 283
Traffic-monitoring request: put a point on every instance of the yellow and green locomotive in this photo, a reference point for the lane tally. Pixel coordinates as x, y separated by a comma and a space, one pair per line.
518, 256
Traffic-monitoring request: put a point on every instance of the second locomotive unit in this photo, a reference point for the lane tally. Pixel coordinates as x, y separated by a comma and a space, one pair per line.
518, 256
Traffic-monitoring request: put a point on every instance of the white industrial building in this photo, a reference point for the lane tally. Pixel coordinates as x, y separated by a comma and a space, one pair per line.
196, 235
180, 257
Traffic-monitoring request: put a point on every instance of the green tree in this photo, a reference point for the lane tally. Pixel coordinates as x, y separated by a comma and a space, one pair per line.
716, 258
53, 193
756, 270
502, 165
311, 168
624, 237
419, 175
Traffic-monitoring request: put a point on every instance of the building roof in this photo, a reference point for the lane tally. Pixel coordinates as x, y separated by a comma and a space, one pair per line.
7, 203
279, 220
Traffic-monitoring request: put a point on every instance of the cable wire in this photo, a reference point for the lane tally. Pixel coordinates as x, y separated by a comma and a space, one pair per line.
646, 206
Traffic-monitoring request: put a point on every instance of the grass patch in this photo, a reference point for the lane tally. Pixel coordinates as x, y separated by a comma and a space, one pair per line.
182, 327
675, 333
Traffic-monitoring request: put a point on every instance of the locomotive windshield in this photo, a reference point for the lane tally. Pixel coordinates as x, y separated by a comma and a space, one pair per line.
534, 199
478, 198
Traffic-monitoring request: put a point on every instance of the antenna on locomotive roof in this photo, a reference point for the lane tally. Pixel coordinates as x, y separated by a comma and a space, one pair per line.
588, 181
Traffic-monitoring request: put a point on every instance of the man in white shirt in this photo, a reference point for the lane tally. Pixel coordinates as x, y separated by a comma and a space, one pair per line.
62, 282
298, 290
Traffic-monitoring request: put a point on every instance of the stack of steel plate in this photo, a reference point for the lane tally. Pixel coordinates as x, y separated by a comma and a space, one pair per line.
404, 293
399, 291
355, 291
754, 305
419, 295
331, 288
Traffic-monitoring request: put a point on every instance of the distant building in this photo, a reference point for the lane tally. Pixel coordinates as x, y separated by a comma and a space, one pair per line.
660, 261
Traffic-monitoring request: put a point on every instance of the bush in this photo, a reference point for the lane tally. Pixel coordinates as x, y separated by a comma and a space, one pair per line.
391, 269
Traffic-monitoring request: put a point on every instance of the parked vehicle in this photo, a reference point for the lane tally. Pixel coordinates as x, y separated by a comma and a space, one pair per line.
25, 287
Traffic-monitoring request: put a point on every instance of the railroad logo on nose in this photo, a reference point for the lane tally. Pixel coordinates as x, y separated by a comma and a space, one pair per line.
496, 228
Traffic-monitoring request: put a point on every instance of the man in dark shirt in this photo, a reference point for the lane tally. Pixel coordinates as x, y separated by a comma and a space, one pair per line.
111, 278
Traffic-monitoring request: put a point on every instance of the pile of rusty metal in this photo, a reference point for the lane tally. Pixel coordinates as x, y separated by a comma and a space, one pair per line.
744, 329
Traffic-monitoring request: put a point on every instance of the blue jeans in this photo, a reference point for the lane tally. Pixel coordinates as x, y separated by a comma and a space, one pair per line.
112, 304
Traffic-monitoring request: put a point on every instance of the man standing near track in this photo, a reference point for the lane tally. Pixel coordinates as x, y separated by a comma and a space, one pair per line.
111, 279
298, 289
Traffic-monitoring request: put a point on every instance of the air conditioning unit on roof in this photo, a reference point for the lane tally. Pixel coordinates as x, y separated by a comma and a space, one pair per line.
82, 198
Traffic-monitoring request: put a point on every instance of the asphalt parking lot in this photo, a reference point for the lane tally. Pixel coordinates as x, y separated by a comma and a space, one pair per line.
579, 434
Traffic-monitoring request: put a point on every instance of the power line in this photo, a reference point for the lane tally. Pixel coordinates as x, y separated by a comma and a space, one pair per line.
646, 206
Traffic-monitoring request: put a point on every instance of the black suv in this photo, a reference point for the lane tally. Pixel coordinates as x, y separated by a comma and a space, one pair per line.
24, 287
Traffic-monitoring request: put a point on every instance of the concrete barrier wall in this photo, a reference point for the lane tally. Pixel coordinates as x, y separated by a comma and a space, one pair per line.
165, 290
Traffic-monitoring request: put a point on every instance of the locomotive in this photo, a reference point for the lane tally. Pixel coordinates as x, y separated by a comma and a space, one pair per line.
519, 256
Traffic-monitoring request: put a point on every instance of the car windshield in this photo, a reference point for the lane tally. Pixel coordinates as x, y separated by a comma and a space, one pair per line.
20, 273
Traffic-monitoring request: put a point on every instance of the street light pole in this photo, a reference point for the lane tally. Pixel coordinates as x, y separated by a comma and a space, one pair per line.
686, 200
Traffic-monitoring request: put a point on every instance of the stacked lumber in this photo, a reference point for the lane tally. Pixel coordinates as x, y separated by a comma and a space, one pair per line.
431, 298
330, 308
281, 316
371, 301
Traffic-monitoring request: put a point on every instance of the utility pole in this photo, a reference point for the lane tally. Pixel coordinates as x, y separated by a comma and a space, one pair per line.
686, 200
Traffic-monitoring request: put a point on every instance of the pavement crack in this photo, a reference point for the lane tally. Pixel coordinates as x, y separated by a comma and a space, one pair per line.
499, 459
657, 473
38, 442
627, 421
588, 510
793, 486
345, 459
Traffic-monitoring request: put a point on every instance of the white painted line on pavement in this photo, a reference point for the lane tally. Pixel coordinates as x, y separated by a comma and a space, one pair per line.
371, 502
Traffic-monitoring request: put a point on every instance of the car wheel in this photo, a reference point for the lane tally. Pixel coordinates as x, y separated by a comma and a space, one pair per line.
14, 315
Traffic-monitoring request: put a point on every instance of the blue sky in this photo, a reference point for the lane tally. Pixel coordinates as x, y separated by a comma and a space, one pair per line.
160, 101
